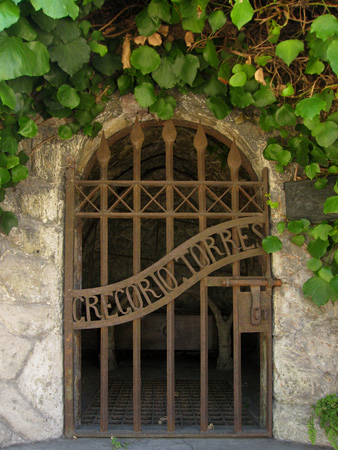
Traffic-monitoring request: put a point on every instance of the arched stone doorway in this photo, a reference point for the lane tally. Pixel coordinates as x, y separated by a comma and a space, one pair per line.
165, 235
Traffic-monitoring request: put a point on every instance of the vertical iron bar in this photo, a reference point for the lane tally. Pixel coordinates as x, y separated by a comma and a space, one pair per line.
68, 320
103, 156
234, 162
200, 143
77, 334
137, 138
268, 361
169, 135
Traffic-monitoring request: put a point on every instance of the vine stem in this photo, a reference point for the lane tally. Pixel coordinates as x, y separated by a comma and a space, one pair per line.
42, 143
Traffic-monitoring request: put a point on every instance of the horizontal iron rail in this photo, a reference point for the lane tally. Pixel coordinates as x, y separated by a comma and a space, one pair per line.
176, 435
160, 215
166, 183
233, 281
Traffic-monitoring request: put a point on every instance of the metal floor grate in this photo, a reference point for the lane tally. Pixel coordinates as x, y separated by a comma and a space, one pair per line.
153, 401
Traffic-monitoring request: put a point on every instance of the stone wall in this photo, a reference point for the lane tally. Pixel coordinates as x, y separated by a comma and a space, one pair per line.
31, 286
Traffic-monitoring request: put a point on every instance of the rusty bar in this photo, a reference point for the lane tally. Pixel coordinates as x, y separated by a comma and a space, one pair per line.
77, 334
103, 156
227, 282
234, 162
266, 214
183, 183
68, 320
169, 136
163, 215
200, 143
137, 138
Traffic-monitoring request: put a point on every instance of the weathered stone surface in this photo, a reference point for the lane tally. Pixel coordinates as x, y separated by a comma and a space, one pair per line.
14, 351
41, 201
23, 418
41, 240
41, 380
30, 280
290, 423
5, 434
30, 320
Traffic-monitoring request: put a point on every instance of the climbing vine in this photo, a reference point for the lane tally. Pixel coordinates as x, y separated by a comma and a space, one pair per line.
275, 60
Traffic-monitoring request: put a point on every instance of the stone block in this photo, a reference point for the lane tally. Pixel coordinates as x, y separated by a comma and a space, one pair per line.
27, 279
14, 351
41, 381
41, 201
30, 320
23, 418
41, 240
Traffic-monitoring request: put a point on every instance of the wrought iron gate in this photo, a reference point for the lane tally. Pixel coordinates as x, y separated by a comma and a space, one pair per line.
239, 207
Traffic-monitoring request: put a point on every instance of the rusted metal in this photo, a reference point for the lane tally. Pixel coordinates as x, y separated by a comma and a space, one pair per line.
103, 156
241, 209
68, 285
137, 137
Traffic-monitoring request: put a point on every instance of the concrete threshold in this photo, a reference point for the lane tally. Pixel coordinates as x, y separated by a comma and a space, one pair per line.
165, 444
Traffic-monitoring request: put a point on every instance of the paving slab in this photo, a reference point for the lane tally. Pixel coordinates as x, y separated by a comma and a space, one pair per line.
166, 444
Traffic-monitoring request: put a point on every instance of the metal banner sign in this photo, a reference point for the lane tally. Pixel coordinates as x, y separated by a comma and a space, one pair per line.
156, 286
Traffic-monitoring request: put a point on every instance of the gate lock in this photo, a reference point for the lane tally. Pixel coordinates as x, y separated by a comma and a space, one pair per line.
257, 314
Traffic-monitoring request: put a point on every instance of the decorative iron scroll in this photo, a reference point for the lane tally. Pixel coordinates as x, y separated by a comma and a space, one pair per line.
151, 289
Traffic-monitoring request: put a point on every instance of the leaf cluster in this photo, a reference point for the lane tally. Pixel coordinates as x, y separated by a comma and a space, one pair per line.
326, 410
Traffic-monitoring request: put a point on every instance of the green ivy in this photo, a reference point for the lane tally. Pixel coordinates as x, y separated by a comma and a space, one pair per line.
326, 410
57, 62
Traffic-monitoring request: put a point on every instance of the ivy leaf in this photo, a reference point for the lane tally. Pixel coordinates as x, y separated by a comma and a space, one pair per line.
334, 287
16, 59
321, 231
317, 248
145, 94
164, 107
8, 144
146, 59
23, 30
285, 116
164, 74
238, 79
288, 91
65, 132
98, 48
314, 67
107, 64
189, 68
325, 133
332, 56
124, 84
271, 244
8, 221
28, 127
7, 95
311, 170
159, 9
318, 289
146, 25
4, 176
57, 9
310, 107
217, 19
12, 161
325, 26
83, 117
72, 56
42, 57
19, 173
9, 14
218, 107
331, 205
272, 151
194, 25
296, 226
240, 98
68, 96
284, 157
314, 264
322, 182
281, 227
210, 54
264, 96
241, 13
298, 240
289, 50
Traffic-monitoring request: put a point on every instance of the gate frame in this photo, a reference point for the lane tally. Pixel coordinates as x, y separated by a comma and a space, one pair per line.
73, 279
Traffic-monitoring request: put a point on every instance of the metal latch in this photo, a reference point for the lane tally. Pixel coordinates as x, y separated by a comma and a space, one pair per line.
256, 311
